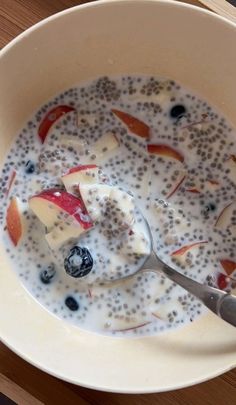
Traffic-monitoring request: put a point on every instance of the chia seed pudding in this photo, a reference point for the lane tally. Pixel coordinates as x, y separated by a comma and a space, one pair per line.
75, 181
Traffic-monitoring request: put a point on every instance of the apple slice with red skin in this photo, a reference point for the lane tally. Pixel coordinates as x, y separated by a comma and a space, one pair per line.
50, 118
135, 125
228, 265
224, 281
11, 182
51, 205
184, 249
224, 218
132, 327
83, 174
193, 190
166, 151
231, 166
213, 182
177, 186
14, 221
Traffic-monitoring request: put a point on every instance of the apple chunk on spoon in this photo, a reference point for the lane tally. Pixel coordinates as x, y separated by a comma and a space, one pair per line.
221, 303
82, 174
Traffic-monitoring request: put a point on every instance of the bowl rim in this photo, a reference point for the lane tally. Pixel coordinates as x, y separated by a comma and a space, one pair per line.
24, 355
100, 3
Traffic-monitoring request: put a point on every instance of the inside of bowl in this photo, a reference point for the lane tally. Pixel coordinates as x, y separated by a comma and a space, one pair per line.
116, 37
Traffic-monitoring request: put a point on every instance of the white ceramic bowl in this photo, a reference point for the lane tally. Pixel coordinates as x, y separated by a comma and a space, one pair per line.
169, 39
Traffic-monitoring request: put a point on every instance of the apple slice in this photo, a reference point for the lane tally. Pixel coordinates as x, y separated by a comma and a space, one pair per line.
95, 197
193, 190
54, 205
124, 205
135, 126
51, 117
11, 182
224, 219
228, 265
107, 143
141, 325
14, 221
83, 174
184, 249
182, 256
138, 242
64, 232
222, 281
79, 145
166, 151
231, 166
178, 184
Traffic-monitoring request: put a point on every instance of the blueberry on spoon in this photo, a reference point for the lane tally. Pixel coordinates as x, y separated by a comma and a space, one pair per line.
79, 262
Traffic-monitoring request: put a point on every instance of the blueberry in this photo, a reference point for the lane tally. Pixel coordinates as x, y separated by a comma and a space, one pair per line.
47, 275
177, 111
79, 262
29, 167
210, 207
71, 303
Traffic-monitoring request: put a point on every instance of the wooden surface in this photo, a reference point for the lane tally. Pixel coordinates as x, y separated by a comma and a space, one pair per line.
226, 8
27, 385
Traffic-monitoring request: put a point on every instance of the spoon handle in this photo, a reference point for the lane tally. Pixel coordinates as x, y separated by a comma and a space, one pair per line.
219, 302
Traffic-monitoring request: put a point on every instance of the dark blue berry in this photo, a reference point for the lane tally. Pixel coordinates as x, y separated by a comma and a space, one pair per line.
47, 275
79, 262
210, 207
71, 303
29, 167
177, 111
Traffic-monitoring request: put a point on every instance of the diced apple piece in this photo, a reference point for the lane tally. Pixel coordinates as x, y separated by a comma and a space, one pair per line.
209, 185
202, 125
180, 181
54, 205
124, 204
224, 219
231, 166
138, 243
223, 281
107, 143
166, 151
95, 197
229, 266
51, 117
137, 326
212, 185
11, 182
83, 174
185, 248
14, 221
135, 125
193, 190
79, 145
64, 232
180, 255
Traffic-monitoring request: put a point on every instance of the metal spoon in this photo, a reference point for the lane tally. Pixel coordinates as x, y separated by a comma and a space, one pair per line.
221, 303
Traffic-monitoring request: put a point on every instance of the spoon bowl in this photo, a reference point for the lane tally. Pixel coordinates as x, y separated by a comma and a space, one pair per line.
221, 303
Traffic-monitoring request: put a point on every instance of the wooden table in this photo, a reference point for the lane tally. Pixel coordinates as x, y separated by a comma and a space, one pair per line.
25, 384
